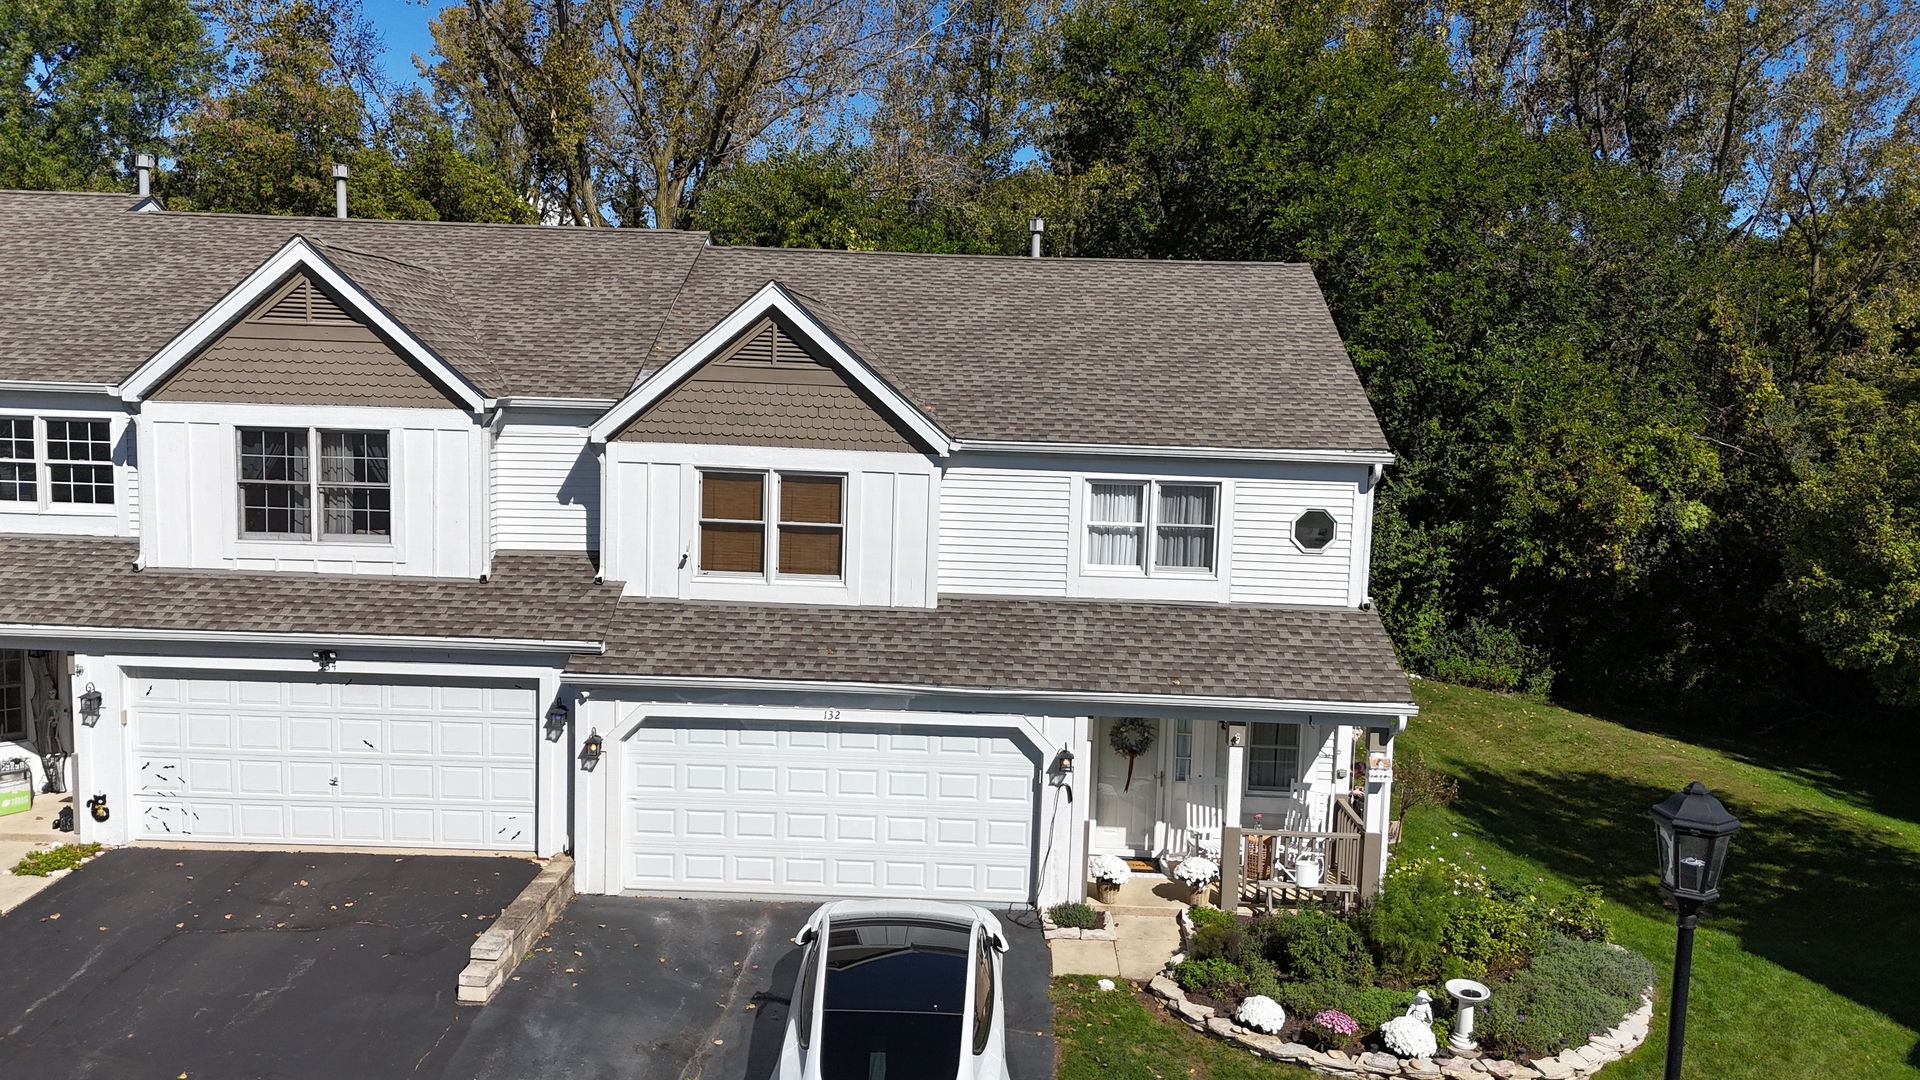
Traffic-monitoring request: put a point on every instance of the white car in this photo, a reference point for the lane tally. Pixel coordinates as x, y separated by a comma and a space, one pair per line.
897, 990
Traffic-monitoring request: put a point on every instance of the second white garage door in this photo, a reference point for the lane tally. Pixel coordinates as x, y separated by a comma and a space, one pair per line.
333, 762
781, 809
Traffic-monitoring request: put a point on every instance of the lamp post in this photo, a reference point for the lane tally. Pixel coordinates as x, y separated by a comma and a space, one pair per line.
1693, 831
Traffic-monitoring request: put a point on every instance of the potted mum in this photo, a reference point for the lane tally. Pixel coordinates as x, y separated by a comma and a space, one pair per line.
1196, 873
1108, 872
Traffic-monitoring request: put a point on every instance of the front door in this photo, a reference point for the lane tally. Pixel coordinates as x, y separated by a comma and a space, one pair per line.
1124, 812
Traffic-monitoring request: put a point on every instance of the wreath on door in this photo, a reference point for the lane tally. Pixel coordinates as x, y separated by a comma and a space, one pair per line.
1132, 737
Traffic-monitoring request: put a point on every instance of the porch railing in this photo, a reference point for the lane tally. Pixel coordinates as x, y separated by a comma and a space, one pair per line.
1268, 863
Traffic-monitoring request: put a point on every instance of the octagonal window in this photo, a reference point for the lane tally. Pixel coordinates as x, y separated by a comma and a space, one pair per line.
1314, 530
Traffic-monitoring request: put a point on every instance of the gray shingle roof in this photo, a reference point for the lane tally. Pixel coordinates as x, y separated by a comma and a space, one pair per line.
1027, 350
72, 582
987, 643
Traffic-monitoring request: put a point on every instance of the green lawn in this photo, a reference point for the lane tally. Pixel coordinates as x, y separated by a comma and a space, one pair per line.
1809, 967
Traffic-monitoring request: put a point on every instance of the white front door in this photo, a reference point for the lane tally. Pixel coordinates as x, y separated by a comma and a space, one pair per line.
1125, 808
773, 808
333, 761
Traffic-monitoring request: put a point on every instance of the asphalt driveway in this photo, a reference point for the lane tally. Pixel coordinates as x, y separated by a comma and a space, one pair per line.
277, 965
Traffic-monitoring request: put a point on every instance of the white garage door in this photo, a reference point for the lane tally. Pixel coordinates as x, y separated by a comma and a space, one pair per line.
775, 809
333, 762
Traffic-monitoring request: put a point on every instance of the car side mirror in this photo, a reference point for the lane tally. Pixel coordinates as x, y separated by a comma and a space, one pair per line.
804, 936
999, 941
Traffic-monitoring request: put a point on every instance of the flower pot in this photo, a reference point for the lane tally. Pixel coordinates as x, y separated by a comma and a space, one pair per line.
1106, 892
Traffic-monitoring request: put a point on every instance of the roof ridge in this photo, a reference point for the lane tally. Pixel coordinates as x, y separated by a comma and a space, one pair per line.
647, 365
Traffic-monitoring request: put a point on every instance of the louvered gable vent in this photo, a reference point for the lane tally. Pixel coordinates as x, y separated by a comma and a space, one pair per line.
305, 304
770, 344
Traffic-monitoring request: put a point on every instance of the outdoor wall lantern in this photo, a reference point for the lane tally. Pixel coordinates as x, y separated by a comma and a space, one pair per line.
325, 658
556, 719
591, 750
1693, 831
90, 706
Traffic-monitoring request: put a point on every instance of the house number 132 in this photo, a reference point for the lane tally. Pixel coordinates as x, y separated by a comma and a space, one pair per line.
830, 714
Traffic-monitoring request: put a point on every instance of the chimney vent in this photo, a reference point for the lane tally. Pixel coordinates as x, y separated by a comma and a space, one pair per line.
1037, 226
143, 168
339, 190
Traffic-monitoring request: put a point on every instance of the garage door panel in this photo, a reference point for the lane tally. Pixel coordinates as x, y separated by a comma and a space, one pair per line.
772, 808
335, 762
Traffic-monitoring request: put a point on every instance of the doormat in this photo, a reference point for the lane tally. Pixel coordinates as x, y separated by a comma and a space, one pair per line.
1140, 864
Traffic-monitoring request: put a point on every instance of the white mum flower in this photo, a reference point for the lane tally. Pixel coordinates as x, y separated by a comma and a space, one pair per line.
1409, 1038
1261, 1013
1196, 871
1111, 868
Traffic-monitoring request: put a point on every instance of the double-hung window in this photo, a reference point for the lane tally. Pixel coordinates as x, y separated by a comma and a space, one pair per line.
1152, 526
13, 694
797, 517
279, 488
1273, 757
55, 462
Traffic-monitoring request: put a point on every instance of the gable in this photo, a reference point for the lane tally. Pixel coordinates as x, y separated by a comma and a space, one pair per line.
768, 389
300, 346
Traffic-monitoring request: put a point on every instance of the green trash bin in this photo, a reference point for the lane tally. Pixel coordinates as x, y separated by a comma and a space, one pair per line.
16, 787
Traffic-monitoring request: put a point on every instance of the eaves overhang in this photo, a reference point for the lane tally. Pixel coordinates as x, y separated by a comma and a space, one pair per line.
302, 640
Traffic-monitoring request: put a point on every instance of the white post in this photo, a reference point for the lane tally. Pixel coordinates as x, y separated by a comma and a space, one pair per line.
1236, 774
1379, 802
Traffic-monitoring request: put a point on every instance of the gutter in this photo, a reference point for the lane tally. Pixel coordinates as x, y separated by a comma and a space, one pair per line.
1217, 453
31, 386
1398, 710
243, 637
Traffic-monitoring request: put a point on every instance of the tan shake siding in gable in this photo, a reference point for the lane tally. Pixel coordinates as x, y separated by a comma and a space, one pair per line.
768, 390
299, 347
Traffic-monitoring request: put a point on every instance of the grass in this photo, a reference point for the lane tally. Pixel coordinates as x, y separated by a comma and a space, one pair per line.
1808, 967
1810, 964
64, 857
1115, 1035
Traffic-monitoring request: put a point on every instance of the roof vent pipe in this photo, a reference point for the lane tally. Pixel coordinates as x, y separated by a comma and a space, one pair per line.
143, 168
1037, 226
339, 190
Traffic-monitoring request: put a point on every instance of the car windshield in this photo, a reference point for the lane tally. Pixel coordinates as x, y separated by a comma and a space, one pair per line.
896, 993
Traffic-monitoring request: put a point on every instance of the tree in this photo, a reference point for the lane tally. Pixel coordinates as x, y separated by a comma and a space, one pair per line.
88, 82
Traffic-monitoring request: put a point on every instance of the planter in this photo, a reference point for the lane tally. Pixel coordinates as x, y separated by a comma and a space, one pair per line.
1102, 932
1105, 892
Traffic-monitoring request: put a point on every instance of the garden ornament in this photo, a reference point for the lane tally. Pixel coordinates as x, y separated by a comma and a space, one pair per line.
1422, 1007
1466, 994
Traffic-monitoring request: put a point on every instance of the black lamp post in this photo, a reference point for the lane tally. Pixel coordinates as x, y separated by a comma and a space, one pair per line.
1693, 830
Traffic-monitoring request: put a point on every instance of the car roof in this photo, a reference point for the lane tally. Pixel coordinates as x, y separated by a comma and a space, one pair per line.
933, 910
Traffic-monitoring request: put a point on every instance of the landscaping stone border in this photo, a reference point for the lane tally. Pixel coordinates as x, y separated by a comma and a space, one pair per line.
497, 951
1575, 1063
1102, 932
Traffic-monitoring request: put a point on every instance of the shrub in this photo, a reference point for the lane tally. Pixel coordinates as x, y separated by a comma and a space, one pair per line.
64, 857
1418, 784
1407, 924
1572, 990
1222, 942
1316, 946
1203, 917
1214, 977
1371, 1006
1076, 916
1435, 920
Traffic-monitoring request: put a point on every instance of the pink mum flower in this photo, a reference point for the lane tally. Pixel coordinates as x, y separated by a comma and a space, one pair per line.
1336, 1022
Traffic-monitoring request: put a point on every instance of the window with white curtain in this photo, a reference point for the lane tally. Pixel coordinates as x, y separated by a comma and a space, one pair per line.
1152, 526
1273, 757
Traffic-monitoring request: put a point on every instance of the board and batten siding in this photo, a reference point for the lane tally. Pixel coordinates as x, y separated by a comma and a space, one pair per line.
1005, 531
191, 520
1267, 567
546, 488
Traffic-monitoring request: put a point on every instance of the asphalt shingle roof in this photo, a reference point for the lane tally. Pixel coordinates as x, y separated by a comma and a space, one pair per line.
1241, 355
80, 583
1017, 643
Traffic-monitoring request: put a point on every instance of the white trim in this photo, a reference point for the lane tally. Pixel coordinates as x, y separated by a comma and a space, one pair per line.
245, 637
770, 298
297, 254
583, 404
1220, 453
639, 712
1101, 700
32, 387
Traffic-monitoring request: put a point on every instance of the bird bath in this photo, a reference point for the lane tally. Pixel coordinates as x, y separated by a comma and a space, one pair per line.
1466, 994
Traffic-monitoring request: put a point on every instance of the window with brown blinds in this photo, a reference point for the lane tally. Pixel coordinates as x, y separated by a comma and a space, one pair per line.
810, 525
733, 523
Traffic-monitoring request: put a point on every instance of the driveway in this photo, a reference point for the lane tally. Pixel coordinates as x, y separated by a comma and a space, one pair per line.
278, 965
648, 989
151, 963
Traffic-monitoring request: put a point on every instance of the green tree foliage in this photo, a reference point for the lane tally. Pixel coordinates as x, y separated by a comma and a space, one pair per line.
86, 83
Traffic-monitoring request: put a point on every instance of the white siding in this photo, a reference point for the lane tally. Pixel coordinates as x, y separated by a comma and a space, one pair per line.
1005, 531
546, 488
1268, 567
189, 458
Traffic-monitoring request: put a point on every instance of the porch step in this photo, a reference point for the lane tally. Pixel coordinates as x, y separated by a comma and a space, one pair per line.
1146, 894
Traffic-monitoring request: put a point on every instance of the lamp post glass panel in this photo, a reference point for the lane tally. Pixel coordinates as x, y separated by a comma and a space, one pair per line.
1692, 830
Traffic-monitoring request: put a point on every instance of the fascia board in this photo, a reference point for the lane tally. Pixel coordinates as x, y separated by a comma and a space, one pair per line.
242, 637
1096, 700
1218, 453
30, 386
297, 254
769, 299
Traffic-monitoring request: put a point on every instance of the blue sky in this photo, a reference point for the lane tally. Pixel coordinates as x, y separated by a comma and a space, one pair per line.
403, 26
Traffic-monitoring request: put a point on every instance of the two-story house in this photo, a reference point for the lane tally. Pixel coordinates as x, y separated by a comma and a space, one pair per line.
729, 570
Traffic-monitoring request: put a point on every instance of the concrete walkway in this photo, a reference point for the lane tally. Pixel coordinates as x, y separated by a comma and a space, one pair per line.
31, 830
1145, 927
